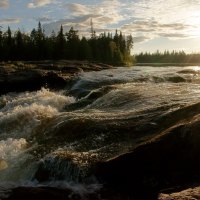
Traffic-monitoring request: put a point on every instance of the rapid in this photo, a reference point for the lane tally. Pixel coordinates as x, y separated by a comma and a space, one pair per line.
55, 138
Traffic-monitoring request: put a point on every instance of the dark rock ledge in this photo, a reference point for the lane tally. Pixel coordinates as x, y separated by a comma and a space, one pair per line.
30, 76
168, 163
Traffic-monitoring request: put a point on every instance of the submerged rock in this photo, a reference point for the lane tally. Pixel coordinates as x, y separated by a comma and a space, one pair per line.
169, 160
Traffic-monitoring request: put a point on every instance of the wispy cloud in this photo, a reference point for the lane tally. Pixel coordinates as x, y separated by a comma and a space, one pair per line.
173, 19
4, 3
78, 9
39, 3
152, 29
107, 12
9, 21
44, 19
138, 39
173, 35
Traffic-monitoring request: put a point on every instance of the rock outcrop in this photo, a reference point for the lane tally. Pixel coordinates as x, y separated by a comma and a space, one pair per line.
168, 161
30, 76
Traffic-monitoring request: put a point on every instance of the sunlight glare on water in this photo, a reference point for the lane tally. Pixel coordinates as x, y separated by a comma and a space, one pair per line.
196, 68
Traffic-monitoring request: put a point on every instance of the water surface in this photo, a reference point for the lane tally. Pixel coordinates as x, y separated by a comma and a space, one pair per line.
102, 114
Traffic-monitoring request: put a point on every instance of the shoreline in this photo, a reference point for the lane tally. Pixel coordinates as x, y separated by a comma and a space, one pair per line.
166, 64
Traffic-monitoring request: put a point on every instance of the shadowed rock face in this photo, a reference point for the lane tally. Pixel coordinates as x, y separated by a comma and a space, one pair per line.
54, 193
50, 193
169, 160
30, 80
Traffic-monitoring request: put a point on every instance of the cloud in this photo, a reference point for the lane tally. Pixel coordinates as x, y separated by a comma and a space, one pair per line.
82, 24
10, 21
104, 14
138, 39
4, 3
44, 19
39, 3
173, 35
78, 9
144, 19
152, 29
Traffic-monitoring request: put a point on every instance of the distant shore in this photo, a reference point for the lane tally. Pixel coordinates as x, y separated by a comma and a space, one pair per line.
167, 64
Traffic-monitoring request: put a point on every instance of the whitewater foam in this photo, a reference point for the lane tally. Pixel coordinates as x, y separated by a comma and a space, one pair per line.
42, 97
23, 113
10, 148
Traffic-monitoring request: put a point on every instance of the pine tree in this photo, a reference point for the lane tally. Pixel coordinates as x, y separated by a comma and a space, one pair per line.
84, 50
72, 43
60, 44
19, 48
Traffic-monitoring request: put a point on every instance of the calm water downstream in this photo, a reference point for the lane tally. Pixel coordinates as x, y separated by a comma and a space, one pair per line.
101, 115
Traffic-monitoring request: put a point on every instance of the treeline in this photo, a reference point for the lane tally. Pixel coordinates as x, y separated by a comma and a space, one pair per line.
38, 46
168, 57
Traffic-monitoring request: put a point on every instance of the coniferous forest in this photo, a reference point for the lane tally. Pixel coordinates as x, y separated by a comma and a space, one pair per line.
168, 57
38, 46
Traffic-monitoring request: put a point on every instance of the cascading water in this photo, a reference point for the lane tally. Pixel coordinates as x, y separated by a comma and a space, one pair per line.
50, 136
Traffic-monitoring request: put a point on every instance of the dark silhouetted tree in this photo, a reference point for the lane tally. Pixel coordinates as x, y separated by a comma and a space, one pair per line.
72, 43
38, 46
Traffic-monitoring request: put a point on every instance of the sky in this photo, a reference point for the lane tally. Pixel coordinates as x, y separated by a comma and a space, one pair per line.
154, 24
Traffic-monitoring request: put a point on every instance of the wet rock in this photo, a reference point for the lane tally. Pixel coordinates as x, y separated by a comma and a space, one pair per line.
189, 71
55, 167
175, 79
50, 193
73, 192
188, 194
89, 98
169, 160
30, 80
30, 76
3, 165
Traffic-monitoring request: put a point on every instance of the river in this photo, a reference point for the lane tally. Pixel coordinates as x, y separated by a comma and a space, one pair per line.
99, 116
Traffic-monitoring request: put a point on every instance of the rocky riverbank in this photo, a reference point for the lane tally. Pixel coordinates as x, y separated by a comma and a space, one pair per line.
30, 76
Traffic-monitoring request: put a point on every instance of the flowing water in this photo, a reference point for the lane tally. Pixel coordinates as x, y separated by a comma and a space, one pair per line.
101, 115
